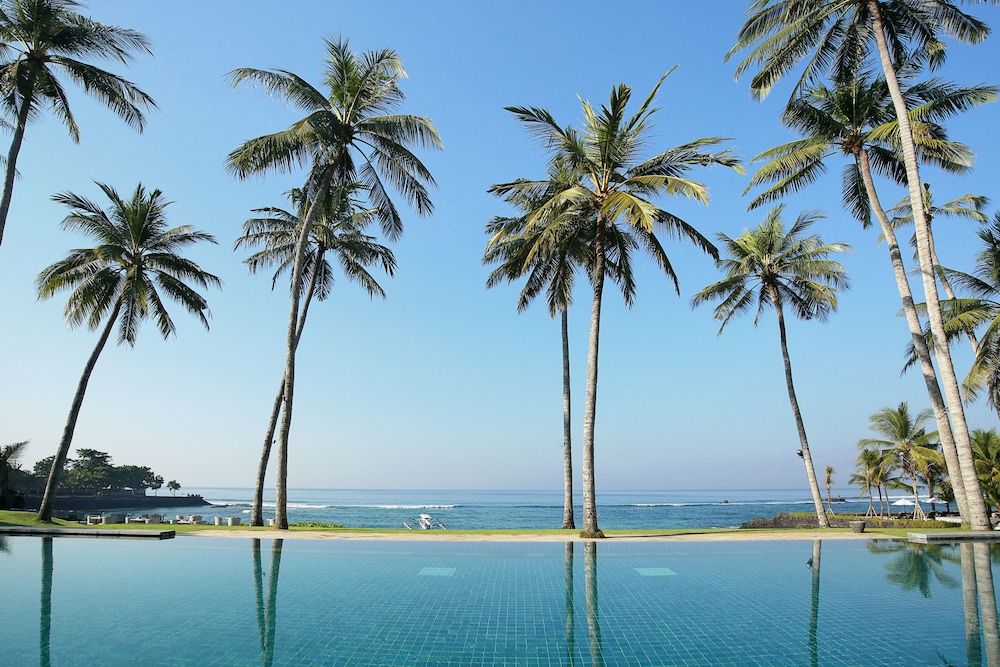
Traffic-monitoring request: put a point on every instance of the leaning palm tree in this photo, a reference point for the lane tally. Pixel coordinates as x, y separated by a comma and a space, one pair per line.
46, 40
348, 136
339, 231
121, 282
769, 267
855, 118
837, 36
615, 186
908, 444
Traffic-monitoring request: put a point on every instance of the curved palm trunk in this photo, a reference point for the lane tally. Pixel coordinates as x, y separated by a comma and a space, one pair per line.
918, 511
978, 516
52, 484
567, 431
803, 440
919, 342
15, 148
281, 485
257, 510
590, 528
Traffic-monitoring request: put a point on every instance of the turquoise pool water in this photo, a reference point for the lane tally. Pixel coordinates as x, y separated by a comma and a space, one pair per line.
206, 601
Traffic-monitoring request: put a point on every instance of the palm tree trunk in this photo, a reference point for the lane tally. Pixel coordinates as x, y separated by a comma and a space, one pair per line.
52, 484
570, 604
918, 511
803, 440
567, 431
590, 528
970, 605
15, 148
817, 554
257, 510
987, 602
593, 604
919, 342
281, 484
45, 620
978, 516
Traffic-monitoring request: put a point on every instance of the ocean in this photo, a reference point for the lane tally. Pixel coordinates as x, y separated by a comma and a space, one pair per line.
470, 510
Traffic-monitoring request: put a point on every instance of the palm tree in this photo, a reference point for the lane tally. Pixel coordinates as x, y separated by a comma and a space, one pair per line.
339, 230
121, 281
829, 482
347, 137
548, 253
986, 445
855, 118
44, 40
615, 187
903, 437
836, 36
866, 476
9, 455
769, 267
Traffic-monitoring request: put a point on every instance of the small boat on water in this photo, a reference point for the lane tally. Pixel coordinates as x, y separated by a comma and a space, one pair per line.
423, 522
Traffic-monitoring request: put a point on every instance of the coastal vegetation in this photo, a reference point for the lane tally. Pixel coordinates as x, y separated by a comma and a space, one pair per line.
861, 90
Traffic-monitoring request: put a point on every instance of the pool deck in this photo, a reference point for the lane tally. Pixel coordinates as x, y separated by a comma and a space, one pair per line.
44, 531
943, 538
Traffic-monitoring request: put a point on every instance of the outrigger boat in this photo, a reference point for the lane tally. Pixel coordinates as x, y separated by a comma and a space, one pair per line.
423, 522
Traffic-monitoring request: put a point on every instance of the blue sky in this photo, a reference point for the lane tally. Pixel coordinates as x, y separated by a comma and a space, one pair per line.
443, 385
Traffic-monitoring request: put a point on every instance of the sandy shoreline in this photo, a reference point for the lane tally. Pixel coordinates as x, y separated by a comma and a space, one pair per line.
459, 536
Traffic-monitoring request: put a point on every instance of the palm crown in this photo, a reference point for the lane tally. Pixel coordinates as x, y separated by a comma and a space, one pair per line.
134, 265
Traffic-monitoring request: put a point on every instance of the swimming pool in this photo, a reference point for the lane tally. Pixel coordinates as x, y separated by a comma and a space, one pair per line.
226, 601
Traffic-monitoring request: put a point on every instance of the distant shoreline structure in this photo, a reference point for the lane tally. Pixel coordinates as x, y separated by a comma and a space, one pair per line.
91, 503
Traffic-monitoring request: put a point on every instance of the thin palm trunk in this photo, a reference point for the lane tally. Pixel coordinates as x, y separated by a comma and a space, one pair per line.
919, 342
52, 484
45, 611
871, 506
590, 527
568, 521
817, 553
281, 485
15, 149
593, 604
257, 510
799, 425
570, 604
978, 516
918, 511
970, 605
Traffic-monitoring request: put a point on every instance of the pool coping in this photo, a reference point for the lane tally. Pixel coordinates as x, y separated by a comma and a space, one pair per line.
42, 531
942, 538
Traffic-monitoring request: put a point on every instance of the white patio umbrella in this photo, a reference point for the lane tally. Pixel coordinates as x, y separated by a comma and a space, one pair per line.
903, 501
936, 501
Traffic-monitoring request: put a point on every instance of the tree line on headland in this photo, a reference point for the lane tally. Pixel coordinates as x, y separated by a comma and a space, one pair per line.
862, 95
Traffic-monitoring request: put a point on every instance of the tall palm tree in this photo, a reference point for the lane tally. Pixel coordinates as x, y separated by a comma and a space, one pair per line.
829, 482
548, 253
616, 185
866, 476
45, 41
837, 36
769, 267
121, 281
904, 438
855, 118
339, 230
347, 136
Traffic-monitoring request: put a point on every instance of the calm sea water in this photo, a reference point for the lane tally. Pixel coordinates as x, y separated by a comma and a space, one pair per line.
520, 509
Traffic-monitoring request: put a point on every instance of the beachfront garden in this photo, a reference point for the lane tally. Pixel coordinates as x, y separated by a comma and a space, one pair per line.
865, 95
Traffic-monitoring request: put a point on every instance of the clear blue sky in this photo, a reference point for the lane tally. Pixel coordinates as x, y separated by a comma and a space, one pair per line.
444, 385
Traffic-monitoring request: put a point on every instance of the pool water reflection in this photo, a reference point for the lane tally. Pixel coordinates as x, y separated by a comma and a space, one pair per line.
198, 601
